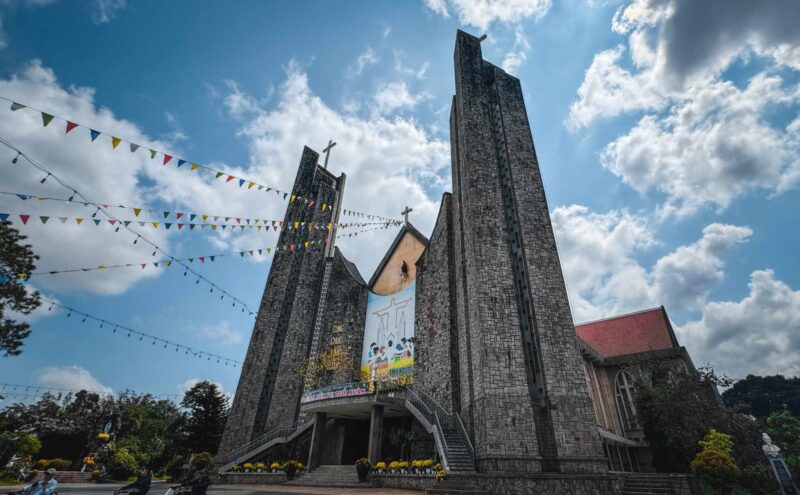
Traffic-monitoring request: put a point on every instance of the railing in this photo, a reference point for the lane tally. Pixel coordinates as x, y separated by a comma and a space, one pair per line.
281, 431
438, 416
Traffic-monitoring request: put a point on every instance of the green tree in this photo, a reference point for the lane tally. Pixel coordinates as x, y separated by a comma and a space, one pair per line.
207, 412
715, 463
763, 395
16, 259
784, 428
151, 430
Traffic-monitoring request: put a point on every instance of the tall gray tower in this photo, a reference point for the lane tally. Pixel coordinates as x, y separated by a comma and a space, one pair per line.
521, 383
269, 390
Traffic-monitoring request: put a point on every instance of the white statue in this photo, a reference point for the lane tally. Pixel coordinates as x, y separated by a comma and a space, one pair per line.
769, 448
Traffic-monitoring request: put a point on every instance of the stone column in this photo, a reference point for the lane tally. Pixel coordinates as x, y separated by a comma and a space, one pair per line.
317, 440
375, 434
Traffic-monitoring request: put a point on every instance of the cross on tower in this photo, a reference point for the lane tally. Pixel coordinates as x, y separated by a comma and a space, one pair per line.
327, 151
406, 211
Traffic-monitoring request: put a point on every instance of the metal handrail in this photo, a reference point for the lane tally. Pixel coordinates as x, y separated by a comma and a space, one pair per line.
257, 442
465, 436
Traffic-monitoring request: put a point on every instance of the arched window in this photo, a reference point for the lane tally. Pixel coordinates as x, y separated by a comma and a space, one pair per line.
624, 394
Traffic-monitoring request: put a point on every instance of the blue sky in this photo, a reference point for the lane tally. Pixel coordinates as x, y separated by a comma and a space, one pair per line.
671, 173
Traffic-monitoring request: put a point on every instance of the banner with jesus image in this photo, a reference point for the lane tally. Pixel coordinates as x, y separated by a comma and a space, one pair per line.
388, 351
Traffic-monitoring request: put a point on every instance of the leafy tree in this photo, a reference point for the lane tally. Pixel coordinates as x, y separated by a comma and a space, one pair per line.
784, 428
151, 430
715, 463
762, 395
207, 412
123, 464
16, 259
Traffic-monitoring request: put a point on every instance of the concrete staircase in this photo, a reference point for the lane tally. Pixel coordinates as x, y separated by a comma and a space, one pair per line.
332, 476
647, 484
459, 457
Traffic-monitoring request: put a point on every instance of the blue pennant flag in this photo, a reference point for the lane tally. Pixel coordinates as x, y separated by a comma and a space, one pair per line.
3, 217
241, 181
192, 216
94, 134
22, 196
181, 162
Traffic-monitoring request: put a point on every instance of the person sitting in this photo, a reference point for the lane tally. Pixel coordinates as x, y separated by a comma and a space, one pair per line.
45, 486
139, 487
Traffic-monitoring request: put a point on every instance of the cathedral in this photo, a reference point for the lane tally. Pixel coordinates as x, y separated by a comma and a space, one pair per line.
461, 346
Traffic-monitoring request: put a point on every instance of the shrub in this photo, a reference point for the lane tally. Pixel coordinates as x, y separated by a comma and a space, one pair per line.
260, 466
28, 445
123, 465
275, 466
715, 463
201, 461
247, 466
60, 464
380, 466
236, 468
42, 464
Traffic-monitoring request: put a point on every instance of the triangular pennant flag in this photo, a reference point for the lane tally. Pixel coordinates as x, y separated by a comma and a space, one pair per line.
46, 118
94, 134
167, 158
191, 226
16, 106
284, 194
293, 198
311, 203
181, 162
251, 252
180, 226
250, 185
44, 219
241, 181
24, 219
155, 263
230, 178
63, 219
241, 253
142, 224
167, 225
205, 217
239, 220
23, 196
259, 251
202, 259
166, 214
212, 257
192, 216
219, 174
70, 126
126, 222
259, 227
155, 225
269, 250
115, 142
223, 226
136, 211
213, 226
112, 222
179, 215
153, 153
97, 222
134, 147
79, 220
195, 166
144, 265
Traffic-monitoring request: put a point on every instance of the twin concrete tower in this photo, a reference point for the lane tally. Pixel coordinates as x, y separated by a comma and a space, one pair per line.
495, 340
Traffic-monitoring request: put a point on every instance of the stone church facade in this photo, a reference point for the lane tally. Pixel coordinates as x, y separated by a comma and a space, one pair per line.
502, 383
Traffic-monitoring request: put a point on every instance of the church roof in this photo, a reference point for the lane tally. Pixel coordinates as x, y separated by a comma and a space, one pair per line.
351, 267
643, 331
407, 227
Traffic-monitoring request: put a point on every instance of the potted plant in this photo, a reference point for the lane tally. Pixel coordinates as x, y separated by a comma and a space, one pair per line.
380, 467
275, 467
260, 466
247, 467
440, 474
362, 468
290, 468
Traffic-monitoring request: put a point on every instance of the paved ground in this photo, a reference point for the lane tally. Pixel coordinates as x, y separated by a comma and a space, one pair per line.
160, 488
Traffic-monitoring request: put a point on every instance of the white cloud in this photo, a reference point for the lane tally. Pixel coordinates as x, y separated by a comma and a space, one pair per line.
598, 254
362, 62
106, 10
95, 169
394, 96
191, 382
514, 59
405, 70
483, 13
388, 162
758, 334
71, 378
222, 333
703, 141
712, 148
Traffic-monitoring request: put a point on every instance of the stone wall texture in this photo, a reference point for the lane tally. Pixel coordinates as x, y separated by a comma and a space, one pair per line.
525, 397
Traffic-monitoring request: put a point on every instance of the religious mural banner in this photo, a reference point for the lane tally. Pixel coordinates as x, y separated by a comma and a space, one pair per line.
336, 392
388, 351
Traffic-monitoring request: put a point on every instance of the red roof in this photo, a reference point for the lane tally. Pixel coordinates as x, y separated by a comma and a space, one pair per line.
644, 331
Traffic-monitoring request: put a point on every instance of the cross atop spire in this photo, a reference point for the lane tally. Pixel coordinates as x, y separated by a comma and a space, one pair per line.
327, 151
405, 213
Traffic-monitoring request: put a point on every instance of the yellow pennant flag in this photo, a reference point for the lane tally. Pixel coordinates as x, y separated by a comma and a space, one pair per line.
329, 227
213, 226
41, 197
250, 185
136, 211
205, 217
269, 250
324, 206
292, 198
195, 166
155, 225
115, 141
101, 267
296, 225
259, 227
306, 244
79, 220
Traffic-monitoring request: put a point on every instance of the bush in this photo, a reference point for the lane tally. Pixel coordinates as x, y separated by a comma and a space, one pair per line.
28, 445
60, 464
202, 460
42, 464
714, 464
123, 465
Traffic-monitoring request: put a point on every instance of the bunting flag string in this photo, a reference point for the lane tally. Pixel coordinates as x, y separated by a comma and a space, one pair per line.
156, 248
188, 217
167, 263
71, 125
8, 389
119, 329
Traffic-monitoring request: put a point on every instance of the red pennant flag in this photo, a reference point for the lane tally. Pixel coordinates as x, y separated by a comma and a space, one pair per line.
24, 218
238, 220
251, 253
167, 158
112, 222
144, 265
202, 259
70, 126
180, 226
230, 178
179, 215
